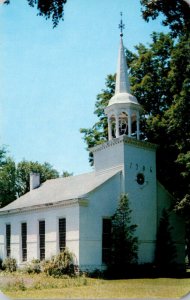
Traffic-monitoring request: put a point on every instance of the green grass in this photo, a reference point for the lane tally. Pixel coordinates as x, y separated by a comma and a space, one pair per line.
40, 286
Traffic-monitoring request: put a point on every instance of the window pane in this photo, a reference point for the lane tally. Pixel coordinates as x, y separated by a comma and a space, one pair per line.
8, 240
42, 239
24, 241
106, 240
62, 234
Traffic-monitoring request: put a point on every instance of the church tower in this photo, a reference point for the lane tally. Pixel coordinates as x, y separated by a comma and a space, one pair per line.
123, 110
134, 158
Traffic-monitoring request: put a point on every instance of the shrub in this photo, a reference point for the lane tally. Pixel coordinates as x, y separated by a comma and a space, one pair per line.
34, 267
165, 251
9, 264
59, 265
1, 264
124, 244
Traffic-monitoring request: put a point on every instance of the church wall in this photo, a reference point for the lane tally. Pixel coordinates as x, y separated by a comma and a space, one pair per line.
51, 216
142, 197
109, 155
165, 200
102, 204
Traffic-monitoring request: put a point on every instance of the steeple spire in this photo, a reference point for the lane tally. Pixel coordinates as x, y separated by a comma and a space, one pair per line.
123, 109
121, 25
122, 80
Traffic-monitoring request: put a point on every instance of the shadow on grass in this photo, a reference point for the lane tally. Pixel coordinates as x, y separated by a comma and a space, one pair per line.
141, 271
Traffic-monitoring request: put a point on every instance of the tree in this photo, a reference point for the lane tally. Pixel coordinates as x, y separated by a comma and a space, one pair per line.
174, 126
24, 168
50, 9
15, 178
165, 251
124, 245
152, 65
8, 184
66, 174
176, 14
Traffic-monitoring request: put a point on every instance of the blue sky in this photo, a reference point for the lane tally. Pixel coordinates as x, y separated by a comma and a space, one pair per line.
50, 77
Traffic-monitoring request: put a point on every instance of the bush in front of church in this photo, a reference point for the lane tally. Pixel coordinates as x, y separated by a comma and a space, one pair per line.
34, 267
60, 265
9, 264
165, 251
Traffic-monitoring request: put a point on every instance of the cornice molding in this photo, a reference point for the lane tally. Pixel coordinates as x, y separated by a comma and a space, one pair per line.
63, 203
125, 140
138, 143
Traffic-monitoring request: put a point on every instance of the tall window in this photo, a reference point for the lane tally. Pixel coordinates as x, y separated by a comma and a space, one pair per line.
24, 241
106, 240
42, 239
62, 234
8, 240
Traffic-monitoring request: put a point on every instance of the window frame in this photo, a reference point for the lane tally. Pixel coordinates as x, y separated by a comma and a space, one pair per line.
24, 241
62, 234
106, 240
42, 239
8, 240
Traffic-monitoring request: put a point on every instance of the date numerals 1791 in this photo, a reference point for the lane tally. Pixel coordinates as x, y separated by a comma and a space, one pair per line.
138, 167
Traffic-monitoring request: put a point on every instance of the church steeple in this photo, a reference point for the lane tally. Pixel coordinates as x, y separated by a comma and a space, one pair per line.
122, 80
123, 110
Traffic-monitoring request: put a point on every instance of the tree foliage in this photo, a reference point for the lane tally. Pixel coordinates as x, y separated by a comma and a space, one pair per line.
14, 178
66, 174
152, 65
50, 9
8, 185
176, 14
124, 249
165, 251
24, 168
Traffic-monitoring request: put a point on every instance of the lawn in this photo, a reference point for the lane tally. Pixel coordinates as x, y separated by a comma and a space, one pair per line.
41, 286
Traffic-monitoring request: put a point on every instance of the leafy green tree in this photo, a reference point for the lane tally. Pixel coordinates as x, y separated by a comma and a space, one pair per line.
50, 9
8, 186
165, 251
151, 65
176, 14
66, 174
2, 156
15, 178
124, 249
24, 168
172, 131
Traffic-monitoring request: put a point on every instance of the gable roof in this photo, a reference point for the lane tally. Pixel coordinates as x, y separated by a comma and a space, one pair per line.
57, 190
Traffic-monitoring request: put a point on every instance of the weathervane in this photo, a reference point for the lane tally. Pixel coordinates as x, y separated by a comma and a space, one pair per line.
121, 25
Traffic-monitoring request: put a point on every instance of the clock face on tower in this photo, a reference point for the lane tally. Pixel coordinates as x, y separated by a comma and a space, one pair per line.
140, 178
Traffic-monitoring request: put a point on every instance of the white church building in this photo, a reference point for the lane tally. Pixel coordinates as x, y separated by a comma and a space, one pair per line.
75, 212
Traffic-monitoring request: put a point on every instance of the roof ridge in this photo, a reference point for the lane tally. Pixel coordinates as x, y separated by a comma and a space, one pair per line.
118, 167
